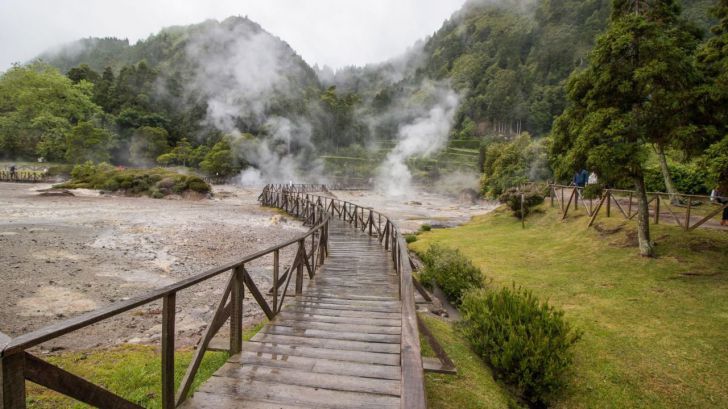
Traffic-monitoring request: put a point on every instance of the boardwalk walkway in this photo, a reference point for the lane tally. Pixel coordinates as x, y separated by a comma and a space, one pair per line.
336, 346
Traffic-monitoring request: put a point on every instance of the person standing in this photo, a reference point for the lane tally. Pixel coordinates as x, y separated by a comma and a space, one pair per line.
720, 196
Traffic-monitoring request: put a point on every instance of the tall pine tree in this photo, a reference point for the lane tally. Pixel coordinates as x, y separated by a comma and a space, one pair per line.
629, 97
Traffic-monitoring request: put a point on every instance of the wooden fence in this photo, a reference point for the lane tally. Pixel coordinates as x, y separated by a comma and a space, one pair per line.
687, 211
24, 176
17, 365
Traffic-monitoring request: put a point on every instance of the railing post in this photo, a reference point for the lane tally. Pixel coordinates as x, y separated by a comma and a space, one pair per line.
657, 209
276, 266
552, 193
356, 216
236, 315
687, 213
12, 381
168, 318
299, 268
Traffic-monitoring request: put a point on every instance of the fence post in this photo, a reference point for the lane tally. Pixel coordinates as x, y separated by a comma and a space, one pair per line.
657, 209
236, 315
523, 216
552, 193
299, 268
609, 202
687, 214
168, 317
12, 381
276, 266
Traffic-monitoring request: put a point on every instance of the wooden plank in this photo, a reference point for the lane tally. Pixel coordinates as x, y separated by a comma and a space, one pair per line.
328, 343
389, 322
326, 334
347, 327
292, 376
300, 395
66, 383
262, 302
287, 352
342, 313
204, 400
344, 307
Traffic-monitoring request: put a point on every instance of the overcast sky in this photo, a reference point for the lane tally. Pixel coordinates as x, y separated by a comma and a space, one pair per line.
325, 32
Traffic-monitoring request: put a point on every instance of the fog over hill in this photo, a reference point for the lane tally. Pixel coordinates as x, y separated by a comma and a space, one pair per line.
493, 70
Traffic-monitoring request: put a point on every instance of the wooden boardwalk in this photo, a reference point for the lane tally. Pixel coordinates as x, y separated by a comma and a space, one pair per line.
335, 346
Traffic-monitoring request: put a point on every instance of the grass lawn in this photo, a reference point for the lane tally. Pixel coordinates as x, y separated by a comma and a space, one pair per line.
130, 371
655, 330
473, 386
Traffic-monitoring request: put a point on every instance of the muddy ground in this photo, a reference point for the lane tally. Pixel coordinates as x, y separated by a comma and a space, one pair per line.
61, 256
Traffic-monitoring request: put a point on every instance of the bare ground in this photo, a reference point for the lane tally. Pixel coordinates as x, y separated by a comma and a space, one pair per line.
62, 256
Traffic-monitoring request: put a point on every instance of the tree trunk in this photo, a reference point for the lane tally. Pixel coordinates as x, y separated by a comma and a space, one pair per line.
666, 173
643, 218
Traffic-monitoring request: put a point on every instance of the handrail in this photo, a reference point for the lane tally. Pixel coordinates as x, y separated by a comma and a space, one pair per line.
16, 365
413, 394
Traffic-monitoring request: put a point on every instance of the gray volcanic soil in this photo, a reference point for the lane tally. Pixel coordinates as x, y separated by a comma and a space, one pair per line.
62, 256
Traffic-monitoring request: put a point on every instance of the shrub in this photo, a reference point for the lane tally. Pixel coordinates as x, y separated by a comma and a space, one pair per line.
593, 191
527, 342
425, 227
451, 271
531, 197
410, 238
154, 182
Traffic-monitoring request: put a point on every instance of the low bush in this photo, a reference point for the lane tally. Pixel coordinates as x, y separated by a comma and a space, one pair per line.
593, 191
451, 271
425, 227
154, 182
527, 342
532, 197
410, 238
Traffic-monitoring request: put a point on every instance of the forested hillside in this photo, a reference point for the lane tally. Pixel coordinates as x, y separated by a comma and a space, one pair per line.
225, 95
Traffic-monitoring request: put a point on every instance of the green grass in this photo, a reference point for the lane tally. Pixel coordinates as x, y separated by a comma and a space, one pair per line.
655, 330
472, 387
130, 371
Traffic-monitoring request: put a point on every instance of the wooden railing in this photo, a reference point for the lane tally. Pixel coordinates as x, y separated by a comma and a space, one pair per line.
23, 176
17, 365
390, 236
688, 211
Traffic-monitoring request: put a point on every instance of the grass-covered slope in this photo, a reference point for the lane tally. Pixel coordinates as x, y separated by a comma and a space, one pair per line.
654, 329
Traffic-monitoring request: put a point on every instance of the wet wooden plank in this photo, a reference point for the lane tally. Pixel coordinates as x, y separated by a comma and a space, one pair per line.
333, 335
298, 395
304, 377
280, 351
347, 326
328, 343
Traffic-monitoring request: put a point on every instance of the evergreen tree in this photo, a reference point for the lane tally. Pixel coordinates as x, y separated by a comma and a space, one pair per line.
628, 97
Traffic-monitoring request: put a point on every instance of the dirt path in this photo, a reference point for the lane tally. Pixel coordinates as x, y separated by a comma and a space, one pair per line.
62, 256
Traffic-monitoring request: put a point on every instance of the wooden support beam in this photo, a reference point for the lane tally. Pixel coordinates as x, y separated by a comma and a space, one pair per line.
66, 383
12, 380
168, 335
236, 315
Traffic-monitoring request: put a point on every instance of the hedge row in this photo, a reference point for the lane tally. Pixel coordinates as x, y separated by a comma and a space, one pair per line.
154, 182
